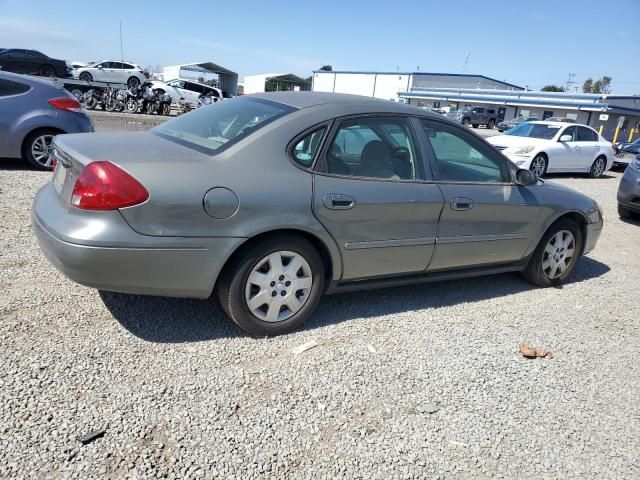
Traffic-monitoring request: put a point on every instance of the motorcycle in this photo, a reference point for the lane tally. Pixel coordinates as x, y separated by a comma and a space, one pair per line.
91, 98
165, 104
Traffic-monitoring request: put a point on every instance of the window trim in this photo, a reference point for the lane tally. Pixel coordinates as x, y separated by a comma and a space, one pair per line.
510, 166
29, 88
308, 131
320, 166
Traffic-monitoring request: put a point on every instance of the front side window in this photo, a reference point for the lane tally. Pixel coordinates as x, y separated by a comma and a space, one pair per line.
305, 150
461, 158
211, 129
572, 132
374, 148
587, 135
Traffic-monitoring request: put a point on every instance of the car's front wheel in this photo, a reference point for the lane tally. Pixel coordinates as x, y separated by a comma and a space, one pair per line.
133, 82
273, 286
539, 165
86, 77
556, 255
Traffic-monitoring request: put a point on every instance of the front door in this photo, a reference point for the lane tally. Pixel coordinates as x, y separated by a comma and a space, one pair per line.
566, 155
486, 218
370, 194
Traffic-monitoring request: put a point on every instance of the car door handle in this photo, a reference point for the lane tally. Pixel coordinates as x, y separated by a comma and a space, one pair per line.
461, 203
577, 147
338, 201
597, 147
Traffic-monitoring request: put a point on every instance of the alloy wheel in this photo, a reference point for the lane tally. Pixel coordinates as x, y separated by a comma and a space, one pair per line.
278, 286
538, 166
598, 167
41, 149
558, 254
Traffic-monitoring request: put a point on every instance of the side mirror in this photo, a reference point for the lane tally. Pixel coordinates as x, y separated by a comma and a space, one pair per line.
566, 138
525, 177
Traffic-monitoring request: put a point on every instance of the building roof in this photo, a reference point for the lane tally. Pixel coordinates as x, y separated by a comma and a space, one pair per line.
417, 74
203, 67
569, 101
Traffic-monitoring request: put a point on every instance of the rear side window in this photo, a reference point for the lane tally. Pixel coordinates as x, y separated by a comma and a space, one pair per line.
9, 87
305, 150
213, 128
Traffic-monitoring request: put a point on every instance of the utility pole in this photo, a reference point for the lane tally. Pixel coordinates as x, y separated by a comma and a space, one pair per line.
466, 61
121, 50
570, 82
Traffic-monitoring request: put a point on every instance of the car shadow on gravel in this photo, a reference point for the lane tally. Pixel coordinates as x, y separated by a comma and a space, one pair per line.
176, 320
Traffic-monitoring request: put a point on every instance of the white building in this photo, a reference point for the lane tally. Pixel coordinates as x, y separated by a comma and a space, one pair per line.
386, 85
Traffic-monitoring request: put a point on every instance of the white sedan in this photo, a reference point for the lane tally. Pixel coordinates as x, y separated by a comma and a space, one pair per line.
114, 72
188, 90
554, 147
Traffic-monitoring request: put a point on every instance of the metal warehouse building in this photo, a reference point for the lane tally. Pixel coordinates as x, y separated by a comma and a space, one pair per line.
607, 113
386, 85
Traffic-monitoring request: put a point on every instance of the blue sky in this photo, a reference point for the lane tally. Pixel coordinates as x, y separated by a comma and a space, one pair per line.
528, 43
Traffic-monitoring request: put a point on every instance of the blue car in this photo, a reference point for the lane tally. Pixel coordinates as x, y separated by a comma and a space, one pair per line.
32, 112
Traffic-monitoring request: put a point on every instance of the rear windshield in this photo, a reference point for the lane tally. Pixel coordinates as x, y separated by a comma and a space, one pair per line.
212, 128
534, 130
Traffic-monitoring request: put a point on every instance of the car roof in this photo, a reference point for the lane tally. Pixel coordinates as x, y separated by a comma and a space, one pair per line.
563, 124
310, 99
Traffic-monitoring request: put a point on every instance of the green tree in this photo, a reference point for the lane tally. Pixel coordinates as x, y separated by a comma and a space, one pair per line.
601, 85
552, 88
327, 68
587, 86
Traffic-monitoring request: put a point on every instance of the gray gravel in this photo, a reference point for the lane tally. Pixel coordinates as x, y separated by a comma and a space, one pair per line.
420, 382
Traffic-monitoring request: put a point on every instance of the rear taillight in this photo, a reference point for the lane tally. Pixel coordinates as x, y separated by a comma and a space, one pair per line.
105, 186
66, 103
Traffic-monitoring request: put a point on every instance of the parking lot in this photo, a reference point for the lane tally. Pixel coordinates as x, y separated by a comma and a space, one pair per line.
415, 382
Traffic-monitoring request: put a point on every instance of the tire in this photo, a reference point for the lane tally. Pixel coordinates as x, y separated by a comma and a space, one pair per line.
133, 82
166, 109
131, 106
547, 255
90, 103
47, 71
110, 105
86, 77
466, 122
539, 165
235, 289
598, 168
626, 213
76, 92
36, 148
491, 124
475, 125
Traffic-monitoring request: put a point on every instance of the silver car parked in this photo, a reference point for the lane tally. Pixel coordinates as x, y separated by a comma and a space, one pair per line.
271, 200
32, 112
629, 191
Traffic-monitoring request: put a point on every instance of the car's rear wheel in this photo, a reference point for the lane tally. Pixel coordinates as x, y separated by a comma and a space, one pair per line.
539, 165
556, 255
598, 167
86, 77
273, 286
491, 124
133, 82
37, 148
47, 71
466, 122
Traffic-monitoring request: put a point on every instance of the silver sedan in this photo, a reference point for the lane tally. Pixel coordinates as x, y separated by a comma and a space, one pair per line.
269, 201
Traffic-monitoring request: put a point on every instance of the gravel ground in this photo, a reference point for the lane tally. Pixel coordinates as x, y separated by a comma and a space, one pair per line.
420, 382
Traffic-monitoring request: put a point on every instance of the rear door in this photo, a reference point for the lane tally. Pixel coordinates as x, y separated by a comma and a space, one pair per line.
487, 218
12, 107
372, 195
590, 146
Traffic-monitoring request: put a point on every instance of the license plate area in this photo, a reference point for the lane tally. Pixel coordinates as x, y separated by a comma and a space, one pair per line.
59, 177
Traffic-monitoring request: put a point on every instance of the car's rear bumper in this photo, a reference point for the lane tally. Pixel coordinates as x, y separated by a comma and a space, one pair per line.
84, 247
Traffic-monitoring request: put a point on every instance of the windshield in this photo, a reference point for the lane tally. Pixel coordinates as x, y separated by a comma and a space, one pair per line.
213, 127
534, 130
